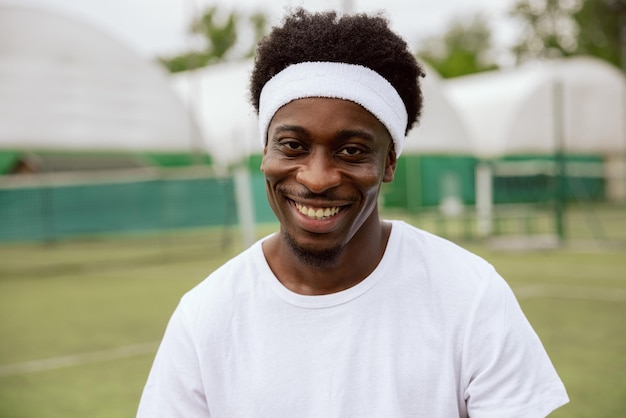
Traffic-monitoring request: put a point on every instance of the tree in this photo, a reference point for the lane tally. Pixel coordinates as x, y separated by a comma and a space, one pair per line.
599, 27
549, 30
560, 28
220, 36
465, 48
259, 26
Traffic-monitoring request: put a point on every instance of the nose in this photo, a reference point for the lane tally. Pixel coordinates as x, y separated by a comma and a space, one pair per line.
319, 172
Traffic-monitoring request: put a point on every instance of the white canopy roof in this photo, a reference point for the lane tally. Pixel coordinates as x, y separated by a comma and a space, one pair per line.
65, 85
527, 109
440, 130
218, 96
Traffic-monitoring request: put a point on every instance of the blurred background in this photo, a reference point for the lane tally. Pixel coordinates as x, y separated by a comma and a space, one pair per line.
129, 170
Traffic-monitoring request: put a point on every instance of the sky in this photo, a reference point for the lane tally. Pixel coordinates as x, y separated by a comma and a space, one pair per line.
159, 27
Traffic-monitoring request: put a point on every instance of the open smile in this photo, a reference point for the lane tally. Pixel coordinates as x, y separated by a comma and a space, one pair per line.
317, 213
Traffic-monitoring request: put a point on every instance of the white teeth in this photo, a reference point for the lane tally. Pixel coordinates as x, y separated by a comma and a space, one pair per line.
317, 213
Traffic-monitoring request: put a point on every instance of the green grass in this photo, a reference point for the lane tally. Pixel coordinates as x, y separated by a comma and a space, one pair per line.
96, 390
584, 334
91, 295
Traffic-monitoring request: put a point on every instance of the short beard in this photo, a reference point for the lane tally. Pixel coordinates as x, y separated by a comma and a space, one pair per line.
320, 259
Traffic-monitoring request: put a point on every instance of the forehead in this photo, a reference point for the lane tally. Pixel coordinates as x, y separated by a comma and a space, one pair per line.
329, 113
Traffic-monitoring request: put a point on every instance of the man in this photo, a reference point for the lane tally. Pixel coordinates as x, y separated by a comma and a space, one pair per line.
342, 313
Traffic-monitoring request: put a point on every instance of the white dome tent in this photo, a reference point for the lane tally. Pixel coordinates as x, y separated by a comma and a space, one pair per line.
67, 86
440, 130
217, 96
522, 110
571, 109
435, 168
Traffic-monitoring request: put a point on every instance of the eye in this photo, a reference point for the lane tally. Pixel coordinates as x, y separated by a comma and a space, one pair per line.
351, 151
291, 146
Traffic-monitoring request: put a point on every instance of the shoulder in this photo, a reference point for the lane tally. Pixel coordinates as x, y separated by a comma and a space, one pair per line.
218, 293
436, 254
442, 275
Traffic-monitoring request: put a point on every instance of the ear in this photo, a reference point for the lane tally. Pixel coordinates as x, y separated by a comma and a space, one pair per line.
390, 164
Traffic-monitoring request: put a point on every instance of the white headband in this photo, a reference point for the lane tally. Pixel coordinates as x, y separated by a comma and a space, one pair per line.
335, 80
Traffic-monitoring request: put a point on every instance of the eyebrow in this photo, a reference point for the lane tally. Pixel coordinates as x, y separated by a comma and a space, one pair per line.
290, 128
358, 133
344, 134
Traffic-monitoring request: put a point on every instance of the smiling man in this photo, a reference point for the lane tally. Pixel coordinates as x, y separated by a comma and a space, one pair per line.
324, 163
342, 313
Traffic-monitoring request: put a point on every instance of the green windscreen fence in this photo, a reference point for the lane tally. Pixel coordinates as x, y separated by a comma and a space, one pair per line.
8, 159
57, 206
423, 181
535, 179
263, 211
60, 208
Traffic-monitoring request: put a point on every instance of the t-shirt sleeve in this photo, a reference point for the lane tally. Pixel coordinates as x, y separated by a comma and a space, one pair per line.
507, 372
174, 387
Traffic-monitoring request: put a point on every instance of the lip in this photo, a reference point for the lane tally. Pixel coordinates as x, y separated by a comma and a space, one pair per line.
318, 217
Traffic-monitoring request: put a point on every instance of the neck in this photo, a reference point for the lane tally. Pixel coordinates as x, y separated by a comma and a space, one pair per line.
312, 276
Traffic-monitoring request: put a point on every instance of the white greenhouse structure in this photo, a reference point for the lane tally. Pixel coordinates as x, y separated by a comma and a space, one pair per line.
572, 107
217, 97
577, 104
68, 87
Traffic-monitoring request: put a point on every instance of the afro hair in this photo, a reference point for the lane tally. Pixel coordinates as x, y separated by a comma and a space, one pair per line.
358, 39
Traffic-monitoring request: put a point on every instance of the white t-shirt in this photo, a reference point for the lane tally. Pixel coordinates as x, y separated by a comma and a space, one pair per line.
433, 332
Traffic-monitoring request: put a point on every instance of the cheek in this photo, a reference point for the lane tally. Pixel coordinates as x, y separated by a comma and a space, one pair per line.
370, 182
269, 166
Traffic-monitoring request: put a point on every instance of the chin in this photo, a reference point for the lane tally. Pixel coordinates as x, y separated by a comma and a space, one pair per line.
320, 258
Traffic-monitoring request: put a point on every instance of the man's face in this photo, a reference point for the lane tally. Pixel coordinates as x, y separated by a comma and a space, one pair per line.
324, 163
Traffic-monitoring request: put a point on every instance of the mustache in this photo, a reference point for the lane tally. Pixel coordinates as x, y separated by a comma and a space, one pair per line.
309, 195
